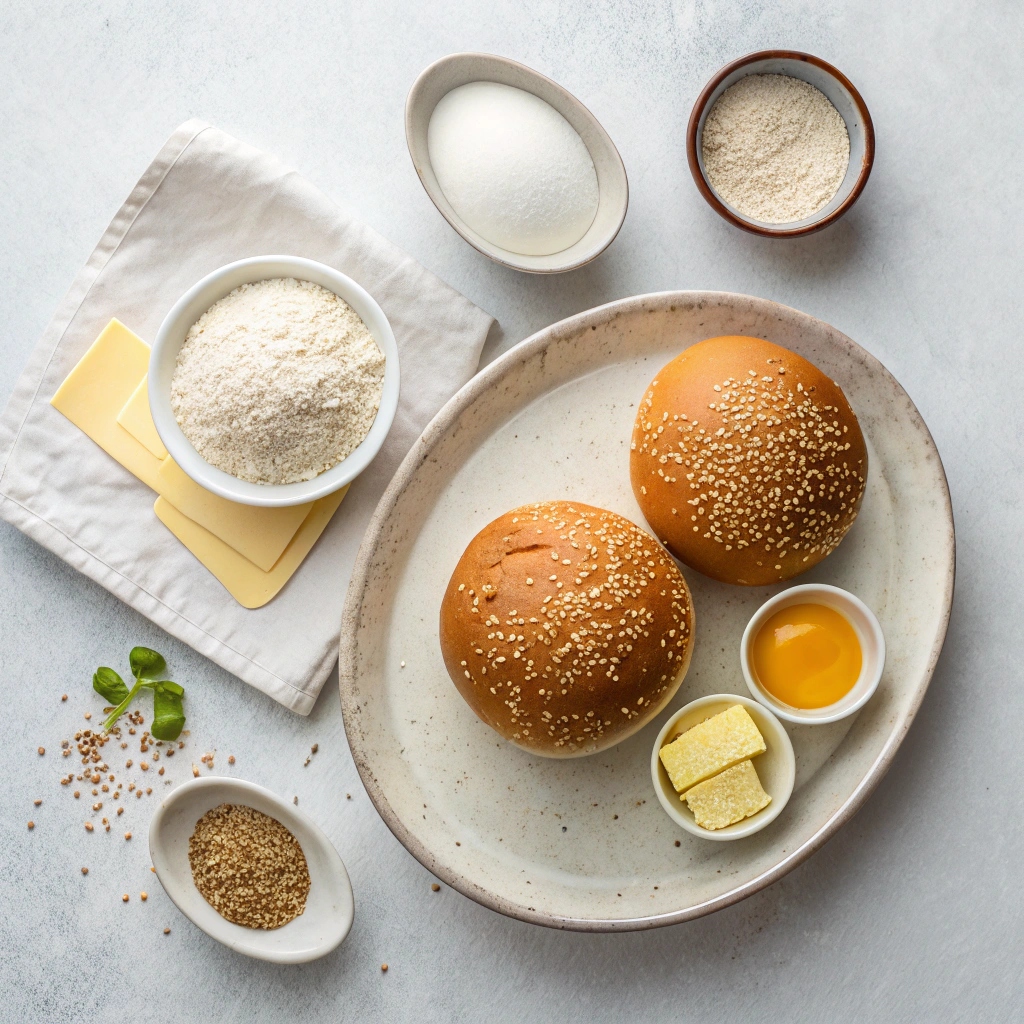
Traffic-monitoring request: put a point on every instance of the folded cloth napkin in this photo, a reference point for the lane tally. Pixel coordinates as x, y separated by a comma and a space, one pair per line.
206, 200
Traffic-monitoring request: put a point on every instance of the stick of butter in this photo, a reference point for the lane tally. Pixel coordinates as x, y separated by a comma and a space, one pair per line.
728, 797
718, 743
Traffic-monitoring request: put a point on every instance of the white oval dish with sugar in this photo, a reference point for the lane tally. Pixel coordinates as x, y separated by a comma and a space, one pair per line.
513, 168
548, 212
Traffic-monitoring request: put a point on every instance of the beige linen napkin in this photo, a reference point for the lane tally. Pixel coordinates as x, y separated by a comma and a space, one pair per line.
206, 200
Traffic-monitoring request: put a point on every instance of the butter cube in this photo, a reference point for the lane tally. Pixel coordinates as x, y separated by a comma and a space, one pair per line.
714, 745
733, 795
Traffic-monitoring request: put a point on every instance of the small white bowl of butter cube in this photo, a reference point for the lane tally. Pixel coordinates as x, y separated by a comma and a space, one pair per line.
723, 767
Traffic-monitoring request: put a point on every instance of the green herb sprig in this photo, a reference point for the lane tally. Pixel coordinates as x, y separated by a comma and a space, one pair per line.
147, 668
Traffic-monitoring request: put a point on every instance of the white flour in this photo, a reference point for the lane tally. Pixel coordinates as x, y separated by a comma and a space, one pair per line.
775, 148
277, 382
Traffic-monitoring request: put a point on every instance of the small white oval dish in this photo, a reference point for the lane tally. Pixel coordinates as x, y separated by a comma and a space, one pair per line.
776, 767
872, 646
330, 908
192, 305
457, 69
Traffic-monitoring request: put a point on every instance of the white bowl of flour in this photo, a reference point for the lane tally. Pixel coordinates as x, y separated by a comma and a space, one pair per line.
274, 381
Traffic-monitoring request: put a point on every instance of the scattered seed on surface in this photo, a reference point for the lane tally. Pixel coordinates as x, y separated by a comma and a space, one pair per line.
143, 896
88, 715
42, 750
313, 749
384, 968
31, 825
435, 887
127, 835
88, 826
124, 898
231, 758
167, 931
37, 802
64, 697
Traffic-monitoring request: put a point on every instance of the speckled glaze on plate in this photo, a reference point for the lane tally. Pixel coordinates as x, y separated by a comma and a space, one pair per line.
583, 843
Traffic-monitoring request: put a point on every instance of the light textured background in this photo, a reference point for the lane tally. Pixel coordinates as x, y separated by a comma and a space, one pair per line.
914, 911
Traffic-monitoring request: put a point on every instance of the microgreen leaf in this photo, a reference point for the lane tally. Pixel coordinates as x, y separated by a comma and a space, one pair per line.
109, 685
122, 707
146, 664
168, 716
147, 667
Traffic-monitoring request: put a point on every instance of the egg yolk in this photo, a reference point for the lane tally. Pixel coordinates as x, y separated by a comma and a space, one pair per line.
807, 656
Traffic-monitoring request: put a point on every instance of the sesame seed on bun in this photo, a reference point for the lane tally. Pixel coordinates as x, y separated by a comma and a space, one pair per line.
566, 627
747, 461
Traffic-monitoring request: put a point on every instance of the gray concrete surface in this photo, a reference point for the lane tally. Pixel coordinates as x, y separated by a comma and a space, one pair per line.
913, 912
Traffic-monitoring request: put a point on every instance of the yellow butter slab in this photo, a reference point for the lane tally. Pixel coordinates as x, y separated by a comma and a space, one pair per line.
260, 534
728, 797
100, 385
136, 418
718, 743
250, 586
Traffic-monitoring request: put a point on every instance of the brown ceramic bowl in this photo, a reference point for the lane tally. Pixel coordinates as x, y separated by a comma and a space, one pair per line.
841, 94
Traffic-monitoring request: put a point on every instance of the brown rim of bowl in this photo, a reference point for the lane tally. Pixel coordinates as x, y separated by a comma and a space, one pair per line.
709, 194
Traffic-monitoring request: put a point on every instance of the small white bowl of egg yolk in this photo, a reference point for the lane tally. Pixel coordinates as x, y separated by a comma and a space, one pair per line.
813, 654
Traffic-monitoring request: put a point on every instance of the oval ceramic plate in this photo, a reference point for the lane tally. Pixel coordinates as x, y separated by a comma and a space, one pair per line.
583, 843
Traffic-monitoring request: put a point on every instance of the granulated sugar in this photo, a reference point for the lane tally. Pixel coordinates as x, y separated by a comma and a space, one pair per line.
775, 148
277, 382
513, 168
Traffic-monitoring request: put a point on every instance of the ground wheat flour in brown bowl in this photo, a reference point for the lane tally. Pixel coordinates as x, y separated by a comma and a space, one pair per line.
277, 382
775, 149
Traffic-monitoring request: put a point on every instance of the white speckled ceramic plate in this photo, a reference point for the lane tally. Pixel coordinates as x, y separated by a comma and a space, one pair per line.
583, 843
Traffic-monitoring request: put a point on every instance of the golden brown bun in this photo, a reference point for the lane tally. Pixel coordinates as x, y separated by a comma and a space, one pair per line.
747, 461
566, 627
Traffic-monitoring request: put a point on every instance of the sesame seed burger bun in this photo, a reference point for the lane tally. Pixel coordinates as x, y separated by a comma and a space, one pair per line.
566, 628
747, 461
